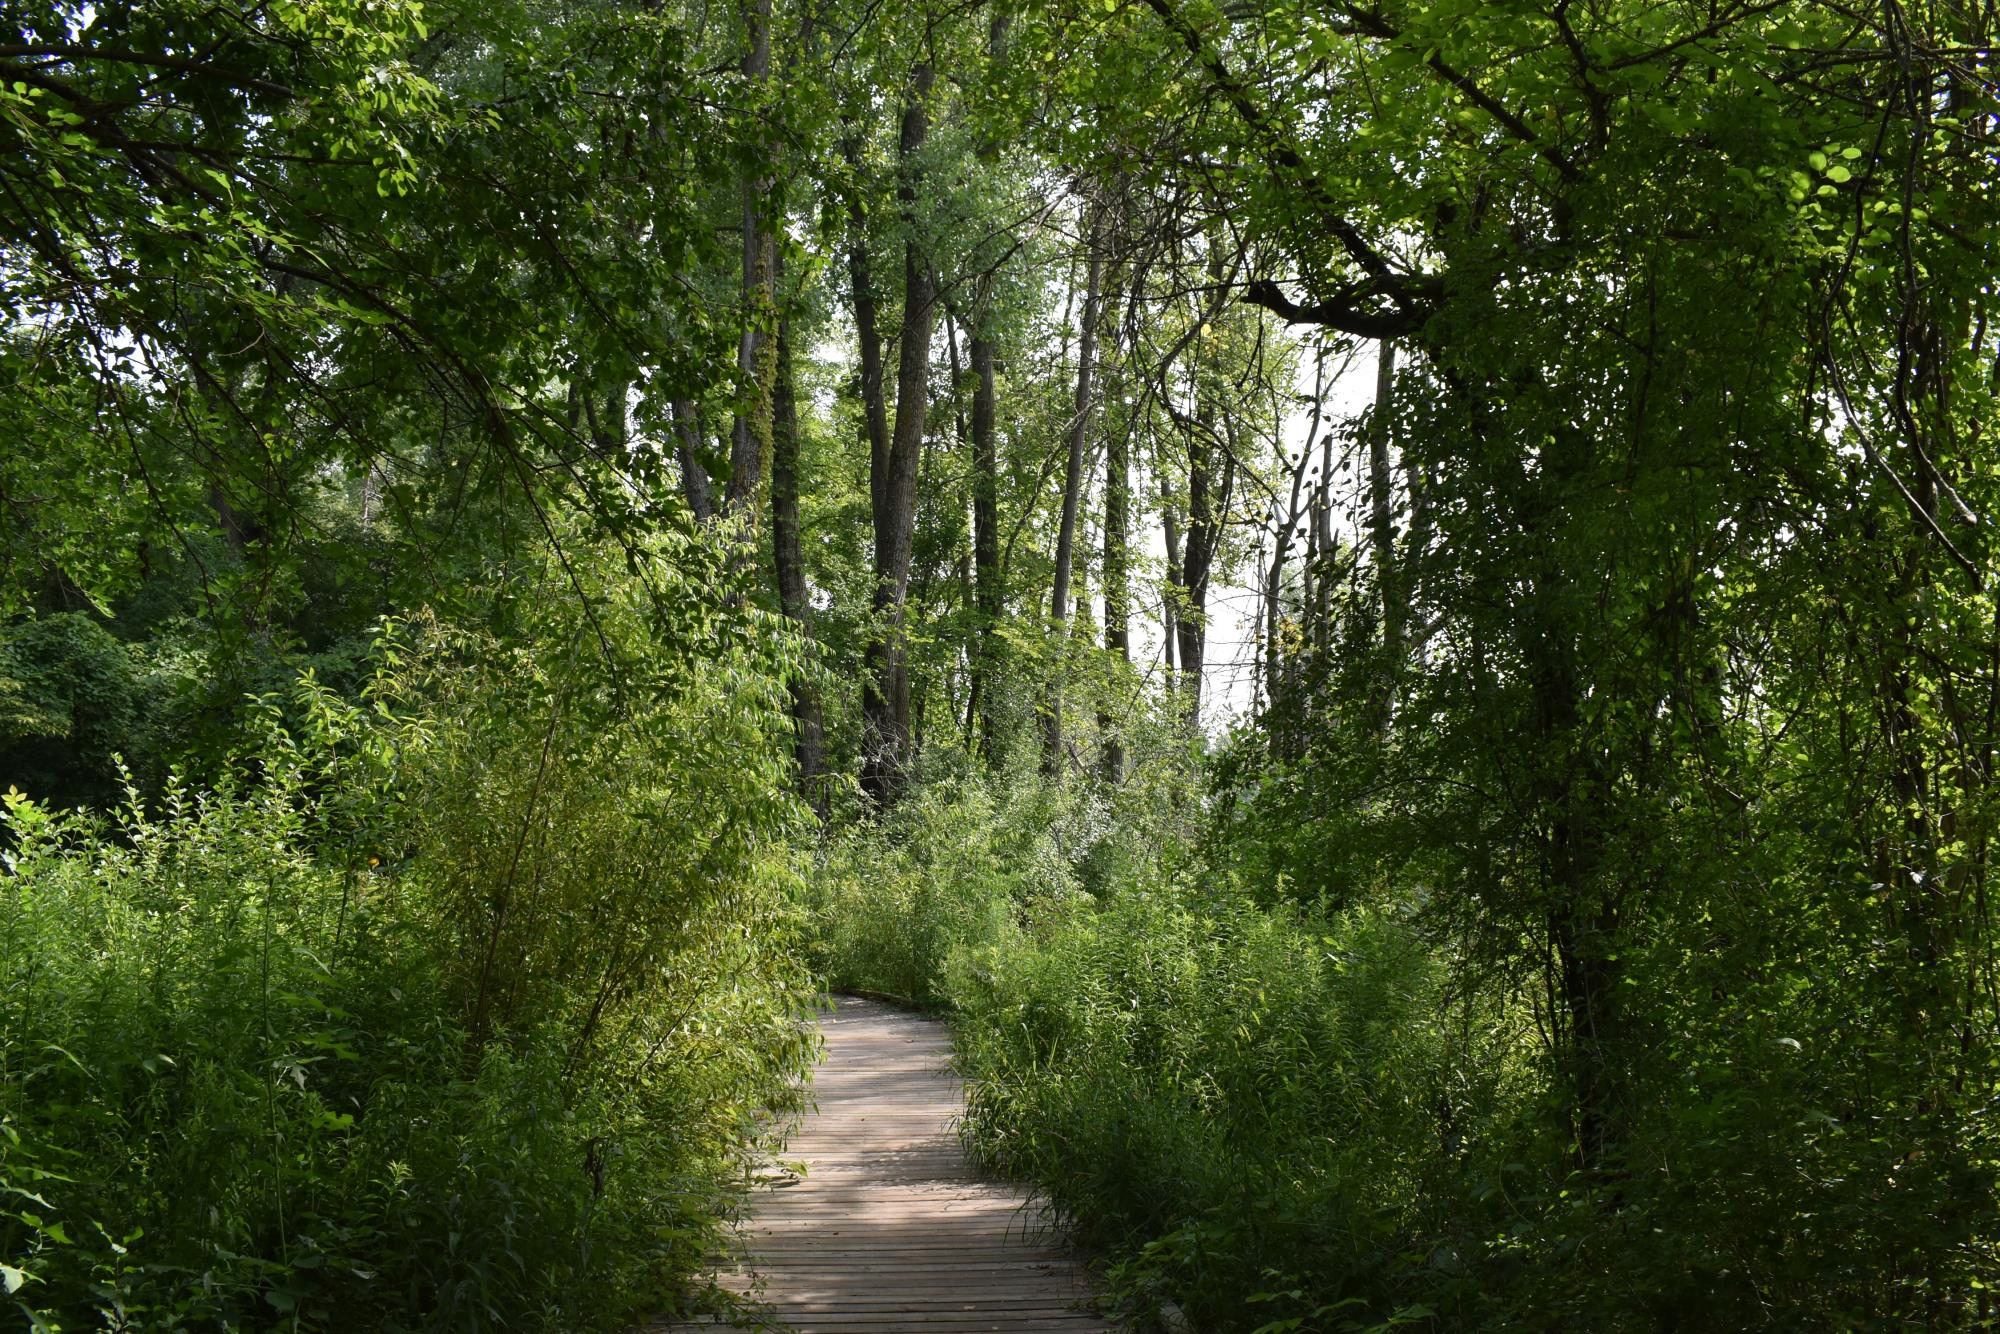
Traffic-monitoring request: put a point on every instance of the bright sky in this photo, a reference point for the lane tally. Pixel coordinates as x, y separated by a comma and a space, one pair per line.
1235, 606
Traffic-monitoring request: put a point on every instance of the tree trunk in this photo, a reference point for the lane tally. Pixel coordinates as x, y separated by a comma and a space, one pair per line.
750, 440
1117, 582
987, 591
1286, 525
695, 485
1382, 531
989, 596
809, 743
1170, 531
893, 487
868, 339
1583, 914
1319, 589
1208, 506
1079, 432
607, 420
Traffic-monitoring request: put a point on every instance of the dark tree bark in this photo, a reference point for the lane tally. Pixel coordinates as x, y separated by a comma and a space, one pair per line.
1582, 907
1286, 524
617, 417
1117, 581
1208, 504
983, 355
1382, 530
962, 567
695, 485
868, 340
893, 485
1304, 514
1170, 531
1319, 560
988, 593
606, 418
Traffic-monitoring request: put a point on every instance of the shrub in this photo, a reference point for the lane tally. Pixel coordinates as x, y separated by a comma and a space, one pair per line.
452, 1009
1240, 1105
1258, 1108
955, 866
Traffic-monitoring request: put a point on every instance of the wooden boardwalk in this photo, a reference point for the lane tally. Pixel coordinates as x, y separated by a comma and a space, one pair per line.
890, 1229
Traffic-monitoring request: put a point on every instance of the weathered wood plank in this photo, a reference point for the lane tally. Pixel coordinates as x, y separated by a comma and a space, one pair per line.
889, 1229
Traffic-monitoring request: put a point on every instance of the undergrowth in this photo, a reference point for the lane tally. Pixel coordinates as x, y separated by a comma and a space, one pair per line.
451, 1009
1237, 1106
1289, 1115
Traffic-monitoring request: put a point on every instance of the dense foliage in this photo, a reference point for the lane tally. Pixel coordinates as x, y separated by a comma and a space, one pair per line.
437, 1010
1391, 606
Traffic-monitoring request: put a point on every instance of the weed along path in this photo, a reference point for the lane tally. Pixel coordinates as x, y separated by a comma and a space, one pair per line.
890, 1228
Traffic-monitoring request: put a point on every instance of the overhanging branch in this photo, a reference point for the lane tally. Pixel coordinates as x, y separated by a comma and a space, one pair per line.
1344, 312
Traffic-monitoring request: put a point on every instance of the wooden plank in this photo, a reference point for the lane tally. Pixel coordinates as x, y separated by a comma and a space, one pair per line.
890, 1228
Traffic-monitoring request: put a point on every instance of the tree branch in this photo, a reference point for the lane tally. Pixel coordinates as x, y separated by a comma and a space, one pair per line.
1342, 312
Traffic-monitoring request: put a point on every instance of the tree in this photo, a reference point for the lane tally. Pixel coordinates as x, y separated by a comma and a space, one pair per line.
894, 453
1651, 278
1073, 481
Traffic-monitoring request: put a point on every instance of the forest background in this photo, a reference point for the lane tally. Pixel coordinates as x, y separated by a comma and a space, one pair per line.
536, 536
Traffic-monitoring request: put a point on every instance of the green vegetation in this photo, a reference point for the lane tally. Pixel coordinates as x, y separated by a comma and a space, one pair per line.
1391, 607
1309, 1116
440, 1010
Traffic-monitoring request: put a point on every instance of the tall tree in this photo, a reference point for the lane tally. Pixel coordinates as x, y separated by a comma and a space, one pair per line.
809, 733
696, 486
750, 436
1588, 516
893, 468
1211, 481
989, 586
1382, 526
1117, 575
1278, 653
1072, 487
989, 590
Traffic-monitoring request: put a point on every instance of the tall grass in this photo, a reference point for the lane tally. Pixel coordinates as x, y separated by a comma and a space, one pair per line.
1259, 1111
1240, 1105
1285, 1115
451, 1012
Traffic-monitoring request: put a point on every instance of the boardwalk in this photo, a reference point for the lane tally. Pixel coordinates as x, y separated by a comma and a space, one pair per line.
890, 1229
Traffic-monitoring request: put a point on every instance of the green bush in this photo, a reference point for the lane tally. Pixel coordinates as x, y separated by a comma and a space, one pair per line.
1310, 1115
954, 866
1240, 1105
1264, 1111
450, 1010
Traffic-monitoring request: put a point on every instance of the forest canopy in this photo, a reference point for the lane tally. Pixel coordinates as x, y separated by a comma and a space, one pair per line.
1390, 606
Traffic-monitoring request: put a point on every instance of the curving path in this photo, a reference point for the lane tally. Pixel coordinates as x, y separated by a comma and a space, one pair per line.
890, 1229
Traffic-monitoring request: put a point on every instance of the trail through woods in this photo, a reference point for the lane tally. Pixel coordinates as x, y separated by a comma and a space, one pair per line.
890, 1228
